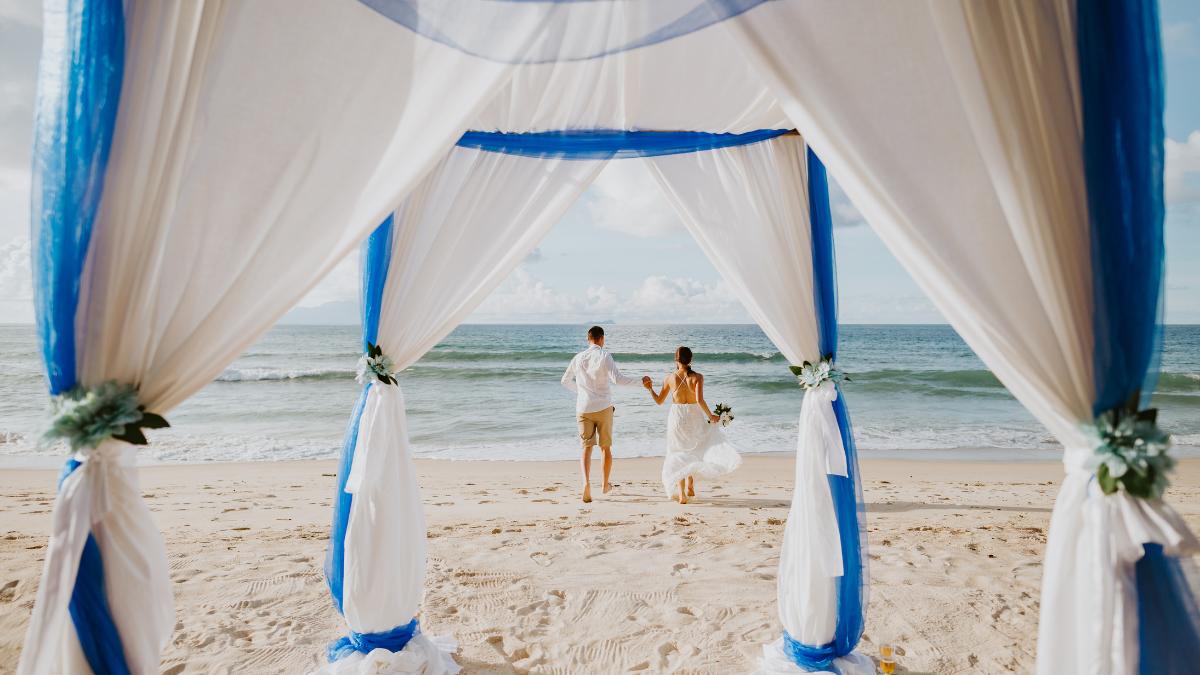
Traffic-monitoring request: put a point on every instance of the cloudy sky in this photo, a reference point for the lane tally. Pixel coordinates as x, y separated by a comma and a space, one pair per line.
620, 254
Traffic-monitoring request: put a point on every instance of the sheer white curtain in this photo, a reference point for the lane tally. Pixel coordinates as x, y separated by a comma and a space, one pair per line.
455, 238
955, 128
747, 207
256, 144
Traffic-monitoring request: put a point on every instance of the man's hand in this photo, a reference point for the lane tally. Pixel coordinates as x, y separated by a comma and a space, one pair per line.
647, 382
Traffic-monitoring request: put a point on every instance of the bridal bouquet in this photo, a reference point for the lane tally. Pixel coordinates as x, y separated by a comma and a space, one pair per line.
724, 414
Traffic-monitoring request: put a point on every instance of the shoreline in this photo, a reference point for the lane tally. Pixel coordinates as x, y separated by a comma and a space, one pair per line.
968, 455
527, 578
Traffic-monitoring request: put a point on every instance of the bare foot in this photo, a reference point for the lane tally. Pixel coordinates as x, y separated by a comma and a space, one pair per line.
587, 494
682, 497
608, 488
674, 498
691, 490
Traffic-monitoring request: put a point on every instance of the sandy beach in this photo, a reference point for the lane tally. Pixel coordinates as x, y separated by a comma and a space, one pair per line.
530, 580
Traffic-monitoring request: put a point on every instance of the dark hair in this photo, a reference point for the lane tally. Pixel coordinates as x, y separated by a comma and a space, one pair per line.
684, 356
595, 333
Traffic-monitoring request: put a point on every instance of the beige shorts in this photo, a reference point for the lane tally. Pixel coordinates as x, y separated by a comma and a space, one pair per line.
595, 424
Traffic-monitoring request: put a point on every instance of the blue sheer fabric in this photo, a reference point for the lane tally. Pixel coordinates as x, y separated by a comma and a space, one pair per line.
608, 143
1120, 68
393, 640
376, 257
846, 491
83, 61
557, 30
812, 659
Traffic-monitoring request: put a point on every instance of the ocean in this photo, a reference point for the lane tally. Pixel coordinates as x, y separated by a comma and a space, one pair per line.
492, 392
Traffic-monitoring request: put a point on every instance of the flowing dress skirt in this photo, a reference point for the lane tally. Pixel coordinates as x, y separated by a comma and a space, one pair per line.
695, 447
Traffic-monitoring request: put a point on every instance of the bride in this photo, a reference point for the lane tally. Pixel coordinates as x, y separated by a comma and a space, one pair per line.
695, 443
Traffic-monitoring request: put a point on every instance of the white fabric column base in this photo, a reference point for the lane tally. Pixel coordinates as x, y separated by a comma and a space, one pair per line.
775, 661
384, 569
1095, 541
102, 496
423, 655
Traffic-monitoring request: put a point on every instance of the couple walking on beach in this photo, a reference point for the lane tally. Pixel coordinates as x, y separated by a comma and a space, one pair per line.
696, 444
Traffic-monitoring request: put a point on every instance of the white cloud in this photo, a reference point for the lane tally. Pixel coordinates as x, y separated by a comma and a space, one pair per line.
658, 299
684, 300
1182, 173
341, 284
626, 198
16, 282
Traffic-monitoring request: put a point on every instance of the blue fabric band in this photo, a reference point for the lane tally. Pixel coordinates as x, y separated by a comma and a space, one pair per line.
810, 658
83, 62
376, 257
393, 640
471, 27
608, 143
846, 491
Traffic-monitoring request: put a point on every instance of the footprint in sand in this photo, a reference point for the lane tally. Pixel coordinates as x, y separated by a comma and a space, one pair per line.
682, 570
542, 558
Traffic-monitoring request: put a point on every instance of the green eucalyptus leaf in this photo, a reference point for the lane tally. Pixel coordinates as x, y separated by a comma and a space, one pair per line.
795, 370
132, 435
1148, 415
1138, 484
1108, 484
153, 421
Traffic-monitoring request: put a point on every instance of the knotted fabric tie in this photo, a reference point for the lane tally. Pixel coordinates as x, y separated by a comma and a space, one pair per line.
810, 658
393, 640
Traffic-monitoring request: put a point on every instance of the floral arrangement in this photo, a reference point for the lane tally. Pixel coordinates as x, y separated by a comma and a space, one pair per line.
374, 365
1131, 452
86, 416
812, 375
724, 414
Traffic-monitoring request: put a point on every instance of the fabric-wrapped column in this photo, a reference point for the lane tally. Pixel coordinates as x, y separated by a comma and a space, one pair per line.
1016, 255
179, 219
467, 225
763, 220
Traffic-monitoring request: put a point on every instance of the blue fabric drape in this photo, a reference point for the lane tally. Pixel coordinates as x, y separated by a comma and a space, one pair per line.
475, 27
376, 256
846, 491
393, 640
83, 62
608, 143
1120, 68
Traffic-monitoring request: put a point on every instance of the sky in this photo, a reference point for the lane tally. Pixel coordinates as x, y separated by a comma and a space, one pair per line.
620, 254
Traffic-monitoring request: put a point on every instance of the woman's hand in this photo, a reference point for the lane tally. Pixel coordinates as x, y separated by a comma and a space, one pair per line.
713, 419
648, 383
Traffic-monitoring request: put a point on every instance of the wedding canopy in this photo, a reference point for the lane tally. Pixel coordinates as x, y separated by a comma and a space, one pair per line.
200, 166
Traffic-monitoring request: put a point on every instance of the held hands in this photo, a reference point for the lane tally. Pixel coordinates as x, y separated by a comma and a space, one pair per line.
647, 382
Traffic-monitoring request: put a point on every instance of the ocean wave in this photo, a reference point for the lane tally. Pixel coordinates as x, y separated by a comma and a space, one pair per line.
272, 374
565, 356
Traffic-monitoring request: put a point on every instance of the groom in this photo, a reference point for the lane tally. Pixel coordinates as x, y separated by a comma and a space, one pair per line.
589, 375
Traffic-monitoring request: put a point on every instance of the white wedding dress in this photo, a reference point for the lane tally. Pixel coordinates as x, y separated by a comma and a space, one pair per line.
694, 446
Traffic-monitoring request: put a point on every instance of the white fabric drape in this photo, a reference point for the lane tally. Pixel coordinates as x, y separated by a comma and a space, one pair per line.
256, 143
955, 128
747, 207
457, 236
690, 83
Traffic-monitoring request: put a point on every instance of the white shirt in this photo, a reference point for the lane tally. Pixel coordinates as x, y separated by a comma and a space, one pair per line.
589, 375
